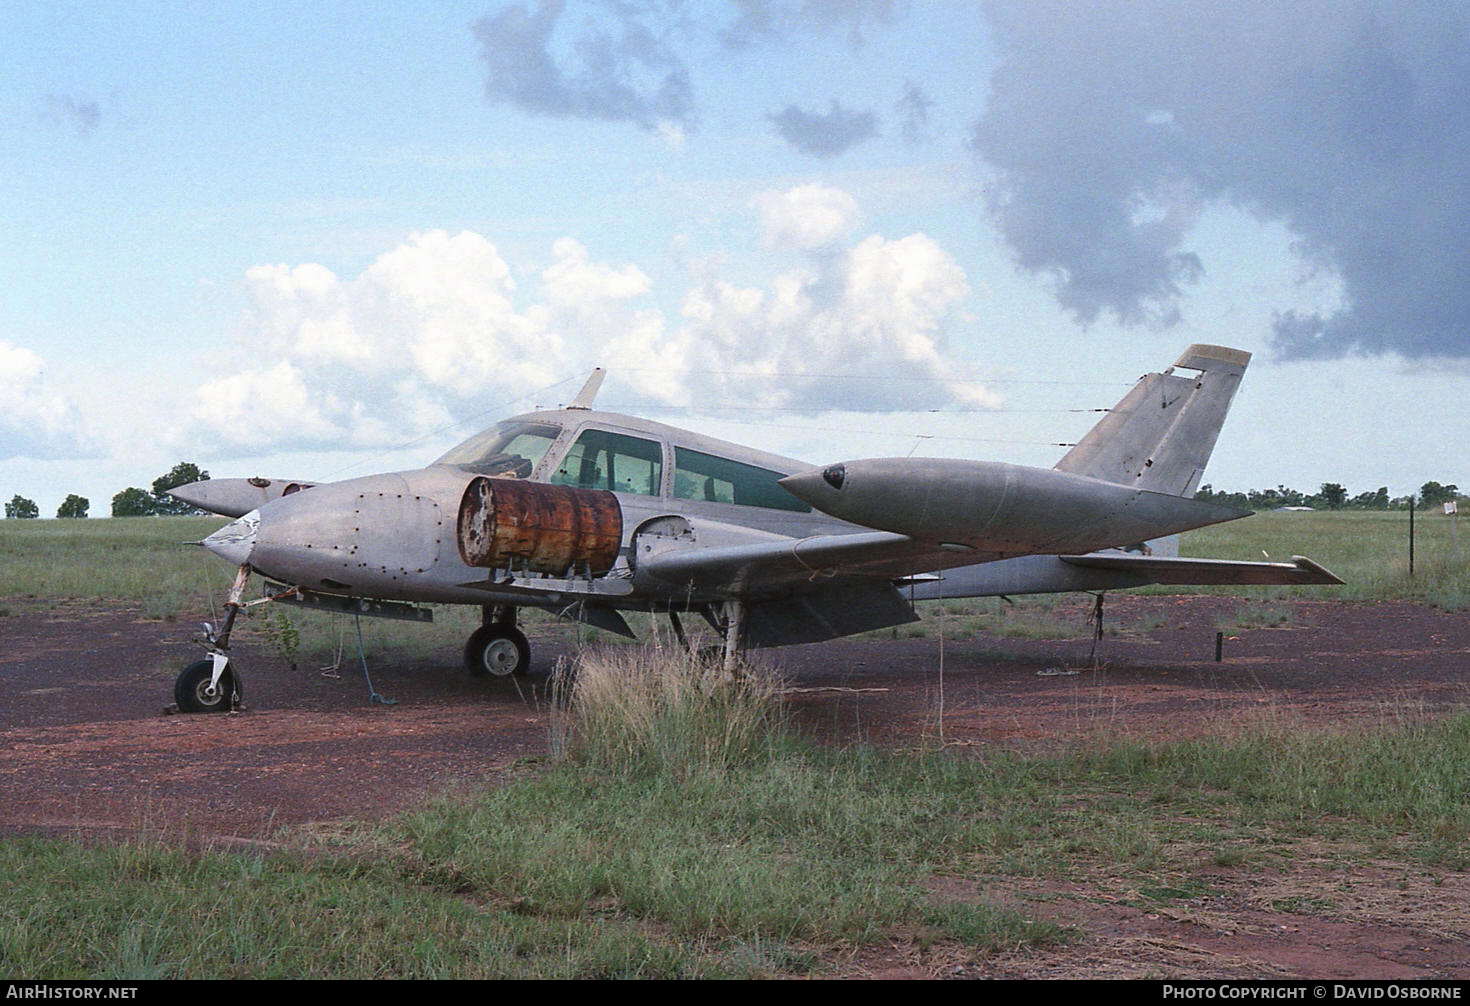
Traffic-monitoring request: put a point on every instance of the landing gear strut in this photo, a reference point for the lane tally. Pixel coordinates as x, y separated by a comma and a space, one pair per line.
497, 647
211, 685
734, 616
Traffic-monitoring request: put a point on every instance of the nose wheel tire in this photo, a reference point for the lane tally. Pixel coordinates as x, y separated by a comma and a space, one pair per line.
497, 650
193, 694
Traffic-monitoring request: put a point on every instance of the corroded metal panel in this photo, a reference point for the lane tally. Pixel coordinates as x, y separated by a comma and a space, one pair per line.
510, 523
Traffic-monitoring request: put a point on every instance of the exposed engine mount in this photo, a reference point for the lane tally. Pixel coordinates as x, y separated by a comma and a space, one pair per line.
510, 523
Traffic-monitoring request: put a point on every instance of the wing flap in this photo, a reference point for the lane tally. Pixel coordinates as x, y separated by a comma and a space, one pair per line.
812, 617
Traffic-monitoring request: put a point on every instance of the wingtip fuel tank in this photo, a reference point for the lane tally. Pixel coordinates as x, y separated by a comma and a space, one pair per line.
236, 497
996, 507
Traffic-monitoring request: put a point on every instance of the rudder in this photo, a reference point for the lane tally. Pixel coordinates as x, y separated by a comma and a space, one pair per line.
1161, 435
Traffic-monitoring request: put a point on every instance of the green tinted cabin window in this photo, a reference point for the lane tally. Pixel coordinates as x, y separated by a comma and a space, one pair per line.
603, 460
719, 480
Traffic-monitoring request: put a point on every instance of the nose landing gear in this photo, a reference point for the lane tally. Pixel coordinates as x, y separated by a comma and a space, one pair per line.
211, 685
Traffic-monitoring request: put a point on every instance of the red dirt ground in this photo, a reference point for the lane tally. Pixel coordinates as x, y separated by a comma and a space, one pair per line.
86, 749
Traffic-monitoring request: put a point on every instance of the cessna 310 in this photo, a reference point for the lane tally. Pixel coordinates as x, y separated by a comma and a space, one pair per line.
590, 514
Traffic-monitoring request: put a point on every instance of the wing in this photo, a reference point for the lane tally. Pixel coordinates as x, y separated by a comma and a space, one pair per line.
796, 565
781, 566
810, 589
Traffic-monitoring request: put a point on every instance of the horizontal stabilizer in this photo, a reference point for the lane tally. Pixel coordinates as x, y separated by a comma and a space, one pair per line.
1208, 572
1112, 570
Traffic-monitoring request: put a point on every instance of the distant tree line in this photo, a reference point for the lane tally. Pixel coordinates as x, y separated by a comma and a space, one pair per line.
131, 502
1331, 496
134, 502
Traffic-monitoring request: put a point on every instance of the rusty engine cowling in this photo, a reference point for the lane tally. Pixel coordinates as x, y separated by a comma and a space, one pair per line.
509, 523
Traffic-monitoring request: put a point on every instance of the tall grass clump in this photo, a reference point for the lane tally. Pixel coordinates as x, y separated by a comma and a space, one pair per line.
665, 712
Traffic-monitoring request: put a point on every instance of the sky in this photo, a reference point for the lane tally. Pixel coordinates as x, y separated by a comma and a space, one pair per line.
319, 240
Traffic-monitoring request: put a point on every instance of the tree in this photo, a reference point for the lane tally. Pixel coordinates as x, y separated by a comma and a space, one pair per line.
22, 508
132, 502
1432, 494
181, 474
1333, 495
73, 506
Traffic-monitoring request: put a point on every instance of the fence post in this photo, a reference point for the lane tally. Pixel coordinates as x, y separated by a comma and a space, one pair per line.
1412, 504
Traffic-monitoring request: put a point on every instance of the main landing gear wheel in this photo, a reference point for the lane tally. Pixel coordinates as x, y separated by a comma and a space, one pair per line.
497, 650
193, 694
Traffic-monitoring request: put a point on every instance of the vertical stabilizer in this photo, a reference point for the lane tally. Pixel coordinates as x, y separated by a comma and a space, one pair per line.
1161, 434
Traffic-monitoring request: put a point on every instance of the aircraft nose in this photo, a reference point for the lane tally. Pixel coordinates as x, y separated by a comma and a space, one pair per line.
235, 541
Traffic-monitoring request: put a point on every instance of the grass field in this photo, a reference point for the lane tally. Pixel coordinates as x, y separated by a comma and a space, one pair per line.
693, 834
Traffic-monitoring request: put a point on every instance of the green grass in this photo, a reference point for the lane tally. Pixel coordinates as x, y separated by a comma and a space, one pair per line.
137, 560
146, 910
1039, 616
753, 852
1368, 549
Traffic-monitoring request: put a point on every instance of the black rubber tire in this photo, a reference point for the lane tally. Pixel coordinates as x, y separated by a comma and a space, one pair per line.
497, 650
190, 685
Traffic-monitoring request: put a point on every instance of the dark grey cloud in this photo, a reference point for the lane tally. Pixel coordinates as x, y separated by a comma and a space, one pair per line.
824, 135
1113, 124
65, 110
610, 61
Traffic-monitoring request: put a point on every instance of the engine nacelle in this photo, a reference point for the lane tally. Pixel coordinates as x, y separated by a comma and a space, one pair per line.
513, 524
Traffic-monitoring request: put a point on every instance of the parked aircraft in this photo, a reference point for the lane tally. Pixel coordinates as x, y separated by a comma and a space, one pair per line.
591, 514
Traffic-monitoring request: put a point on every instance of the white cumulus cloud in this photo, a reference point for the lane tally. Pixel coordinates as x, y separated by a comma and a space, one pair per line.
881, 309
359, 360
808, 216
439, 327
36, 422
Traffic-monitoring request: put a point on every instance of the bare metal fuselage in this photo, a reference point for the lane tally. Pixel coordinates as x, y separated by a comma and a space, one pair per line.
589, 512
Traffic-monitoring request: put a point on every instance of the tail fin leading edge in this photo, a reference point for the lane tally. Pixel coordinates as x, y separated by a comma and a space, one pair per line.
1162, 433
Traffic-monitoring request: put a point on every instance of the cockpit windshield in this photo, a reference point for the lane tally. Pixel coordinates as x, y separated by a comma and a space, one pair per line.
506, 450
